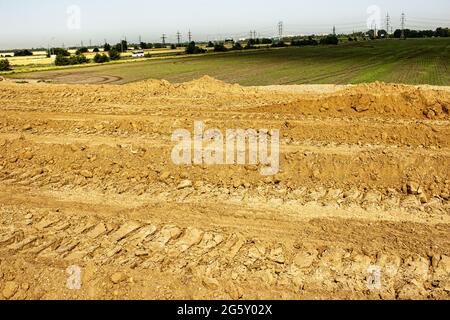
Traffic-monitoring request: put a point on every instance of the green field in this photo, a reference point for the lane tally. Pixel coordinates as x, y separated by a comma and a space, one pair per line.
414, 61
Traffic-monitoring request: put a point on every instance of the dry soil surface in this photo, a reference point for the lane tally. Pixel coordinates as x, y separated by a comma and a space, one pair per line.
86, 180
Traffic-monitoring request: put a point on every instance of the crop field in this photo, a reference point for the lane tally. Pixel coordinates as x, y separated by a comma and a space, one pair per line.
414, 61
39, 58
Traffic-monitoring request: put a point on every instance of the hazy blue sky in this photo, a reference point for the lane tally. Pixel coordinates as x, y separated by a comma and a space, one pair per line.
33, 23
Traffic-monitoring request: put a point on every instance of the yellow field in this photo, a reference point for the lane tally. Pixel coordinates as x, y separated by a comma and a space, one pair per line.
40, 57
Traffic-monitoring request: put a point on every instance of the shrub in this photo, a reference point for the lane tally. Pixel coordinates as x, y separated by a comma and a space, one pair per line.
78, 59
193, 49
330, 40
144, 45
304, 42
101, 58
82, 50
237, 46
4, 65
114, 54
210, 44
279, 44
23, 53
73, 60
61, 60
96, 50
59, 52
219, 47
250, 46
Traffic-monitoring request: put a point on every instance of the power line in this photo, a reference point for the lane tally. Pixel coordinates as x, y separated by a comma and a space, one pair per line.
178, 37
388, 22
403, 25
163, 39
280, 30
190, 36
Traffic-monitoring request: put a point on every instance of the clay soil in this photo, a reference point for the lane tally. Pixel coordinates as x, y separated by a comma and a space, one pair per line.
86, 179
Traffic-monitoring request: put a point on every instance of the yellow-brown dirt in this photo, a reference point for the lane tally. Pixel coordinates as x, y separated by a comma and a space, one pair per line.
86, 179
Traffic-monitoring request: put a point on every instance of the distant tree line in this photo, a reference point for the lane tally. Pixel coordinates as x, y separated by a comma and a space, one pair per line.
439, 32
304, 42
22, 53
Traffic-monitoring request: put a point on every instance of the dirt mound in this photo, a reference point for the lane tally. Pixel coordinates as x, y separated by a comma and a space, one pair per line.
87, 183
197, 88
374, 100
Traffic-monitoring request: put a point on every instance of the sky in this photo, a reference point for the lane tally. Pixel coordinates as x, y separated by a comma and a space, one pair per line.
42, 23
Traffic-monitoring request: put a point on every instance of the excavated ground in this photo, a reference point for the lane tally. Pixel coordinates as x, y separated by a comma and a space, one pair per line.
86, 179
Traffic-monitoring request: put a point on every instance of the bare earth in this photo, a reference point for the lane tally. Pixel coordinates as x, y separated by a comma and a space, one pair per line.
86, 180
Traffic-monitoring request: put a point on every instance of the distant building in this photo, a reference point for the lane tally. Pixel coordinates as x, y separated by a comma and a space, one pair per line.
138, 54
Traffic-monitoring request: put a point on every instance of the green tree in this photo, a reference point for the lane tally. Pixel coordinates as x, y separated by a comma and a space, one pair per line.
82, 50
332, 39
220, 47
442, 32
279, 44
114, 54
5, 65
96, 50
237, 46
106, 47
121, 46
62, 60
124, 45
101, 58
78, 59
22, 53
193, 49
58, 52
